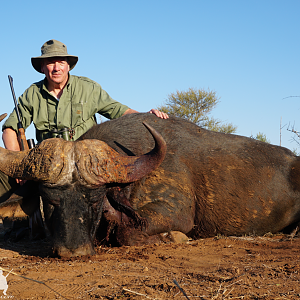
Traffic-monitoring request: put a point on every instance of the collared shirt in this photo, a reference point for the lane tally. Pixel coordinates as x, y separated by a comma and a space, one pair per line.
81, 99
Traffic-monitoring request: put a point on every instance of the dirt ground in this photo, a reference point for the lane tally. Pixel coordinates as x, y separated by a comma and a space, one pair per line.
216, 268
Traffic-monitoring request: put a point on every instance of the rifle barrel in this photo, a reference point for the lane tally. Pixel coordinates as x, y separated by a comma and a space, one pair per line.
21, 132
14, 96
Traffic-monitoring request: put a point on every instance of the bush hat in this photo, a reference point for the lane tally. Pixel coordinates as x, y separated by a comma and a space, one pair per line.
53, 48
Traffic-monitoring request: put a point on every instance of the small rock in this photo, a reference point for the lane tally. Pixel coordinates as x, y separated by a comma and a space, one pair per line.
175, 237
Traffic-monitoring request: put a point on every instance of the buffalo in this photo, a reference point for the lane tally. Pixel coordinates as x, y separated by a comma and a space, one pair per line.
127, 181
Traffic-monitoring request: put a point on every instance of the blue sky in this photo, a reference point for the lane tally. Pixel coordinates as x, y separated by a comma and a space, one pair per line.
141, 51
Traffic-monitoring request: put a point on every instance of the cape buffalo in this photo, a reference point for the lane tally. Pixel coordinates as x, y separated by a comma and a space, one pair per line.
191, 180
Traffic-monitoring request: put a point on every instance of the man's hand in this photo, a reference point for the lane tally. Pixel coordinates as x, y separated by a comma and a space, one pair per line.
158, 113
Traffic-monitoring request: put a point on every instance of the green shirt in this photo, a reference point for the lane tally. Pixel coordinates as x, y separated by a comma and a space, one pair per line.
81, 99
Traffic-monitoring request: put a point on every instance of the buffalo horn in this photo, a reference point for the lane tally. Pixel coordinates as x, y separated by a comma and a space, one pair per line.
104, 165
89, 162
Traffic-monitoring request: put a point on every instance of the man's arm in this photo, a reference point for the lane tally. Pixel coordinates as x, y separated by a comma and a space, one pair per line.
156, 112
130, 111
10, 139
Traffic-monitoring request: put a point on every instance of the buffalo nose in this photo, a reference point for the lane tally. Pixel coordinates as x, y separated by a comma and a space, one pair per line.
63, 251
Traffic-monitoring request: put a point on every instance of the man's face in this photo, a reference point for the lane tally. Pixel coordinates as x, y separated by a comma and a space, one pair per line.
56, 70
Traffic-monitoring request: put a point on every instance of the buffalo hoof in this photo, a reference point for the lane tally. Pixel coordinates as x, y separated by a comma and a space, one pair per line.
128, 236
80, 251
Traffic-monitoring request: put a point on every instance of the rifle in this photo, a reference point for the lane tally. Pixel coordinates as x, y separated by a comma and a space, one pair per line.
21, 132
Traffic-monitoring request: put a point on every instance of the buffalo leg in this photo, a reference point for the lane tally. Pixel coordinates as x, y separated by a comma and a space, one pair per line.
161, 217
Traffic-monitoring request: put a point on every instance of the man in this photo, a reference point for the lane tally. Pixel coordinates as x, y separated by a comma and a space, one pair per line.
61, 100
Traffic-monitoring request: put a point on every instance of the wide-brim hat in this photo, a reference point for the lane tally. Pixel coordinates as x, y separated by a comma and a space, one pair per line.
53, 48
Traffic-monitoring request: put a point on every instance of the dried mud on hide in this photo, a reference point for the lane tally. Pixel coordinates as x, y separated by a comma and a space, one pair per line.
215, 268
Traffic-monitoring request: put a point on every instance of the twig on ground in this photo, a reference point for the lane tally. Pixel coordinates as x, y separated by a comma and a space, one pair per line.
37, 281
293, 233
181, 289
234, 282
133, 292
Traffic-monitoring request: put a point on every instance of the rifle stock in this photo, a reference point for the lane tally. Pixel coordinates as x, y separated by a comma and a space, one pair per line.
22, 139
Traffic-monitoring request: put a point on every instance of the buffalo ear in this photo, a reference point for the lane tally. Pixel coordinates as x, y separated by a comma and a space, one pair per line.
11, 208
22, 203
